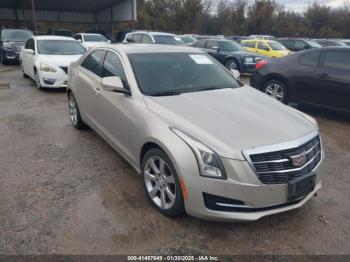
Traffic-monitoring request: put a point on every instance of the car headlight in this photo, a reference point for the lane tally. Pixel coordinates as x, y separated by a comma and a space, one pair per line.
209, 162
47, 68
249, 60
8, 46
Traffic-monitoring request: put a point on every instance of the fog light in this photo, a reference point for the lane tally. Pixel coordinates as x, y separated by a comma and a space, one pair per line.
48, 81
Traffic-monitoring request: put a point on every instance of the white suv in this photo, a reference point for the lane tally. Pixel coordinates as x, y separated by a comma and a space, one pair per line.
153, 38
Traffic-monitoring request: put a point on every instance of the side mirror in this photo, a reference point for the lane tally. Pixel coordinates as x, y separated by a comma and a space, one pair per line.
236, 74
114, 84
29, 51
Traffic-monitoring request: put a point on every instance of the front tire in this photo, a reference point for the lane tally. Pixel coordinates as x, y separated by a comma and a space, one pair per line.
232, 64
22, 68
74, 113
277, 90
162, 184
37, 80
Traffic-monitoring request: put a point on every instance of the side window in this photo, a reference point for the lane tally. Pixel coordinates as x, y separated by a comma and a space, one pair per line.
300, 45
30, 44
113, 66
310, 59
93, 62
288, 43
147, 39
263, 46
77, 37
251, 44
137, 38
339, 60
200, 44
212, 45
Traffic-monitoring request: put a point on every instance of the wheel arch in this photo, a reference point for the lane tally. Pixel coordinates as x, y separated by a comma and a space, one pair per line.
236, 59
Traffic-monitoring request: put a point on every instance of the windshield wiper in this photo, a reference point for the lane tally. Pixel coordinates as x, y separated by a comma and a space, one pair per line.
211, 88
166, 93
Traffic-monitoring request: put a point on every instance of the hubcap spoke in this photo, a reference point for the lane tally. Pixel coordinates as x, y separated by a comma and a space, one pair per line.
149, 176
154, 191
170, 179
153, 166
162, 199
170, 194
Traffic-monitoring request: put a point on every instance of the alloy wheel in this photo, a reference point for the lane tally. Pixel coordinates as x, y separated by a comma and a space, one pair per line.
160, 182
73, 111
276, 91
232, 65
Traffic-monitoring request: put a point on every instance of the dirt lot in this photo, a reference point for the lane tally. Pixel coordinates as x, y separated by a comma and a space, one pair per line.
67, 192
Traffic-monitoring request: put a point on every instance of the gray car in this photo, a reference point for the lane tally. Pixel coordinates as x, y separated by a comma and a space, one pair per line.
204, 143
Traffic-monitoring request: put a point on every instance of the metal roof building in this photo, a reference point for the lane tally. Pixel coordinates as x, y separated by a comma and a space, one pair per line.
69, 11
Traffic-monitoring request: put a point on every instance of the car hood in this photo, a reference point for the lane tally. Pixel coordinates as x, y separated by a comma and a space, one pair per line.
243, 54
231, 120
59, 60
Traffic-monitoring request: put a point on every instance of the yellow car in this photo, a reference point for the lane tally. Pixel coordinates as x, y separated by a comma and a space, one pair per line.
267, 48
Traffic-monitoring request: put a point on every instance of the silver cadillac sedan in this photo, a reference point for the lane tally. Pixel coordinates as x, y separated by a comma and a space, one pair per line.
203, 142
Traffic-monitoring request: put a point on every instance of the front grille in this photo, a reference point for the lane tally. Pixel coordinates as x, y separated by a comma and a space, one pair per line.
65, 69
277, 167
17, 48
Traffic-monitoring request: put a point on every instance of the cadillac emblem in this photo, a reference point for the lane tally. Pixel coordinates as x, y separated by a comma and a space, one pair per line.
299, 160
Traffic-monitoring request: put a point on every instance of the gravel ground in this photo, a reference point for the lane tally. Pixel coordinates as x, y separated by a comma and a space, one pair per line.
67, 192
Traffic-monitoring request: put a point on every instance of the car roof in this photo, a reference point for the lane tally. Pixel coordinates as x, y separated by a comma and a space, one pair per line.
151, 33
136, 48
88, 34
53, 37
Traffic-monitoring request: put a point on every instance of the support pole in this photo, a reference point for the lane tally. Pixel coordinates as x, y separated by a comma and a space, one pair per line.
34, 17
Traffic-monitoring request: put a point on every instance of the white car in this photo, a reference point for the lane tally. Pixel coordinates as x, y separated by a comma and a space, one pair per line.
153, 38
91, 40
46, 59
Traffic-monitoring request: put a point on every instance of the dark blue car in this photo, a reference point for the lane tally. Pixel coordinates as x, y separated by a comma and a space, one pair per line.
230, 54
11, 43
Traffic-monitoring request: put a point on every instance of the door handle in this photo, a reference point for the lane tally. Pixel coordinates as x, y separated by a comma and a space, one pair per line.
324, 76
97, 91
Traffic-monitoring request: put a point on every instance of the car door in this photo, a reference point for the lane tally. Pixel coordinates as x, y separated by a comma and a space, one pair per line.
115, 109
303, 78
213, 48
334, 79
86, 82
28, 57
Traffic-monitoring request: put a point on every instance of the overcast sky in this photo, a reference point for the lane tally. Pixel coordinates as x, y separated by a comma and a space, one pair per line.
300, 5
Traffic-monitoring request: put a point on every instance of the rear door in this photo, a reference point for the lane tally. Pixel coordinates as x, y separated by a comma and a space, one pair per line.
303, 78
86, 81
334, 79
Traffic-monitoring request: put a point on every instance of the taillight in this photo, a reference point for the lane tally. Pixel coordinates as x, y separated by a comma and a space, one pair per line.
260, 65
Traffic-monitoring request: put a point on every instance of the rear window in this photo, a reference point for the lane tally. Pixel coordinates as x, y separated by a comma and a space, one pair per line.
339, 60
249, 44
310, 59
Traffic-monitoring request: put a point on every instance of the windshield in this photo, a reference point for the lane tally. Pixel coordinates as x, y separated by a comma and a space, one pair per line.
175, 73
276, 46
230, 46
168, 40
313, 44
15, 35
60, 47
95, 38
189, 39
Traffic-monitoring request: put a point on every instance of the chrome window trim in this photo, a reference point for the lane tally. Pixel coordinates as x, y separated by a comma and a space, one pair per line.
283, 146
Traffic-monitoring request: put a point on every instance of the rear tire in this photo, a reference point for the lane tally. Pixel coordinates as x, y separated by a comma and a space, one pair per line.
277, 90
162, 184
74, 113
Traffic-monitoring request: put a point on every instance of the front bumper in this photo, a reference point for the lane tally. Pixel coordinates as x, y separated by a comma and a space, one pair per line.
58, 79
248, 67
242, 186
11, 55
